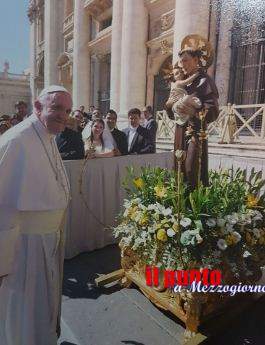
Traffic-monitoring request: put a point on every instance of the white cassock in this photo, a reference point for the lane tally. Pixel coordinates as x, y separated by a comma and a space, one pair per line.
34, 193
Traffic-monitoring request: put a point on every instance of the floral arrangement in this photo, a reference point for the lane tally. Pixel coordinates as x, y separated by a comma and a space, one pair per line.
222, 224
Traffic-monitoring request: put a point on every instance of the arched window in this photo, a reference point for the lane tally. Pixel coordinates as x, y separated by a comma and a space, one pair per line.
161, 87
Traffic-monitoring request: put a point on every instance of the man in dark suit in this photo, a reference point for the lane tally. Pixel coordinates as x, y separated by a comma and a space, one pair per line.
150, 124
119, 137
138, 138
69, 142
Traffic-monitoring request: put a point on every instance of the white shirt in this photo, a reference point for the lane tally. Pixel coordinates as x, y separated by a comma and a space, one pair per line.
132, 133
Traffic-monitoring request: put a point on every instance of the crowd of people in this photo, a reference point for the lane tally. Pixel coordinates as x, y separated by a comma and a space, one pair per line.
93, 134
8, 121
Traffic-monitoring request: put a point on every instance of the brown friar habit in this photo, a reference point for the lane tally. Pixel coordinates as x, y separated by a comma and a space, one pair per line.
205, 89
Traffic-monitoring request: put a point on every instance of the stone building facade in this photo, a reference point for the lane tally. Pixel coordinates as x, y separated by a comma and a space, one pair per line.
13, 88
112, 53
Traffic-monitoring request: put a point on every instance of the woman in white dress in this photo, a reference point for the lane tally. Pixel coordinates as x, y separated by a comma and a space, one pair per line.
95, 145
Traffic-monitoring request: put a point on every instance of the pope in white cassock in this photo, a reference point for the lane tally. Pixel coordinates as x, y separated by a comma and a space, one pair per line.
34, 194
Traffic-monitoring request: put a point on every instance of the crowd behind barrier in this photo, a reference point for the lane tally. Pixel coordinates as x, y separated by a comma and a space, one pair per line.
95, 135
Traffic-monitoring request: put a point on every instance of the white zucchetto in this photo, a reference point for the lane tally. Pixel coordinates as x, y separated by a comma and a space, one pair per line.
52, 89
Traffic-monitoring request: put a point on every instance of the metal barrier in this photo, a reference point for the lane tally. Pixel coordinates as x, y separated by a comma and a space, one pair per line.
235, 123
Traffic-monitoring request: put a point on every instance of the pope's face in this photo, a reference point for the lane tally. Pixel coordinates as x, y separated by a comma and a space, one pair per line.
55, 111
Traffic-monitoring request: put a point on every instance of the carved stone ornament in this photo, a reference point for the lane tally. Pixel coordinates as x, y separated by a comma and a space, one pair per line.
167, 20
33, 11
165, 47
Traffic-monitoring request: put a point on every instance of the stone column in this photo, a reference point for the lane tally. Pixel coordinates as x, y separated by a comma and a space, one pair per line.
81, 61
133, 56
95, 78
191, 17
53, 40
116, 39
33, 58
224, 51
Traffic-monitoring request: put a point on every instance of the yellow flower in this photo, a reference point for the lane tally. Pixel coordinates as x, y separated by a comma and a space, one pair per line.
164, 222
162, 235
230, 239
138, 182
132, 212
252, 201
160, 191
175, 227
144, 220
262, 240
250, 240
156, 216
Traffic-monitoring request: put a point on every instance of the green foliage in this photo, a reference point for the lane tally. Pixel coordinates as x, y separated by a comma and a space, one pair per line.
204, 228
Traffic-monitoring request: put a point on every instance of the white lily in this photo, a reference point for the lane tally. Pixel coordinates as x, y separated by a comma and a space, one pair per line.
229, 227
167, 212
236, 236
256, 233
221, 243
220, 222
257, 216
170, 232
232, 218
211, 222
151, 207
199, 239
246, 254
185, 222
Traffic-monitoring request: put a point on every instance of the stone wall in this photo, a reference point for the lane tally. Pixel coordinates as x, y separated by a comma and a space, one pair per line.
11, 91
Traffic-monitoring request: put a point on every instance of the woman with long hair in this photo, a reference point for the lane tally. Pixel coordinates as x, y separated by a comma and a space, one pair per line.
95, 146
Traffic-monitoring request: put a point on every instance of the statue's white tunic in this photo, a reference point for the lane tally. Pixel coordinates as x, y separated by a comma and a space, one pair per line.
34, 193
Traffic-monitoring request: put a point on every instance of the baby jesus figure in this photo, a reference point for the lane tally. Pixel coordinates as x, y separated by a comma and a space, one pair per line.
181, 105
